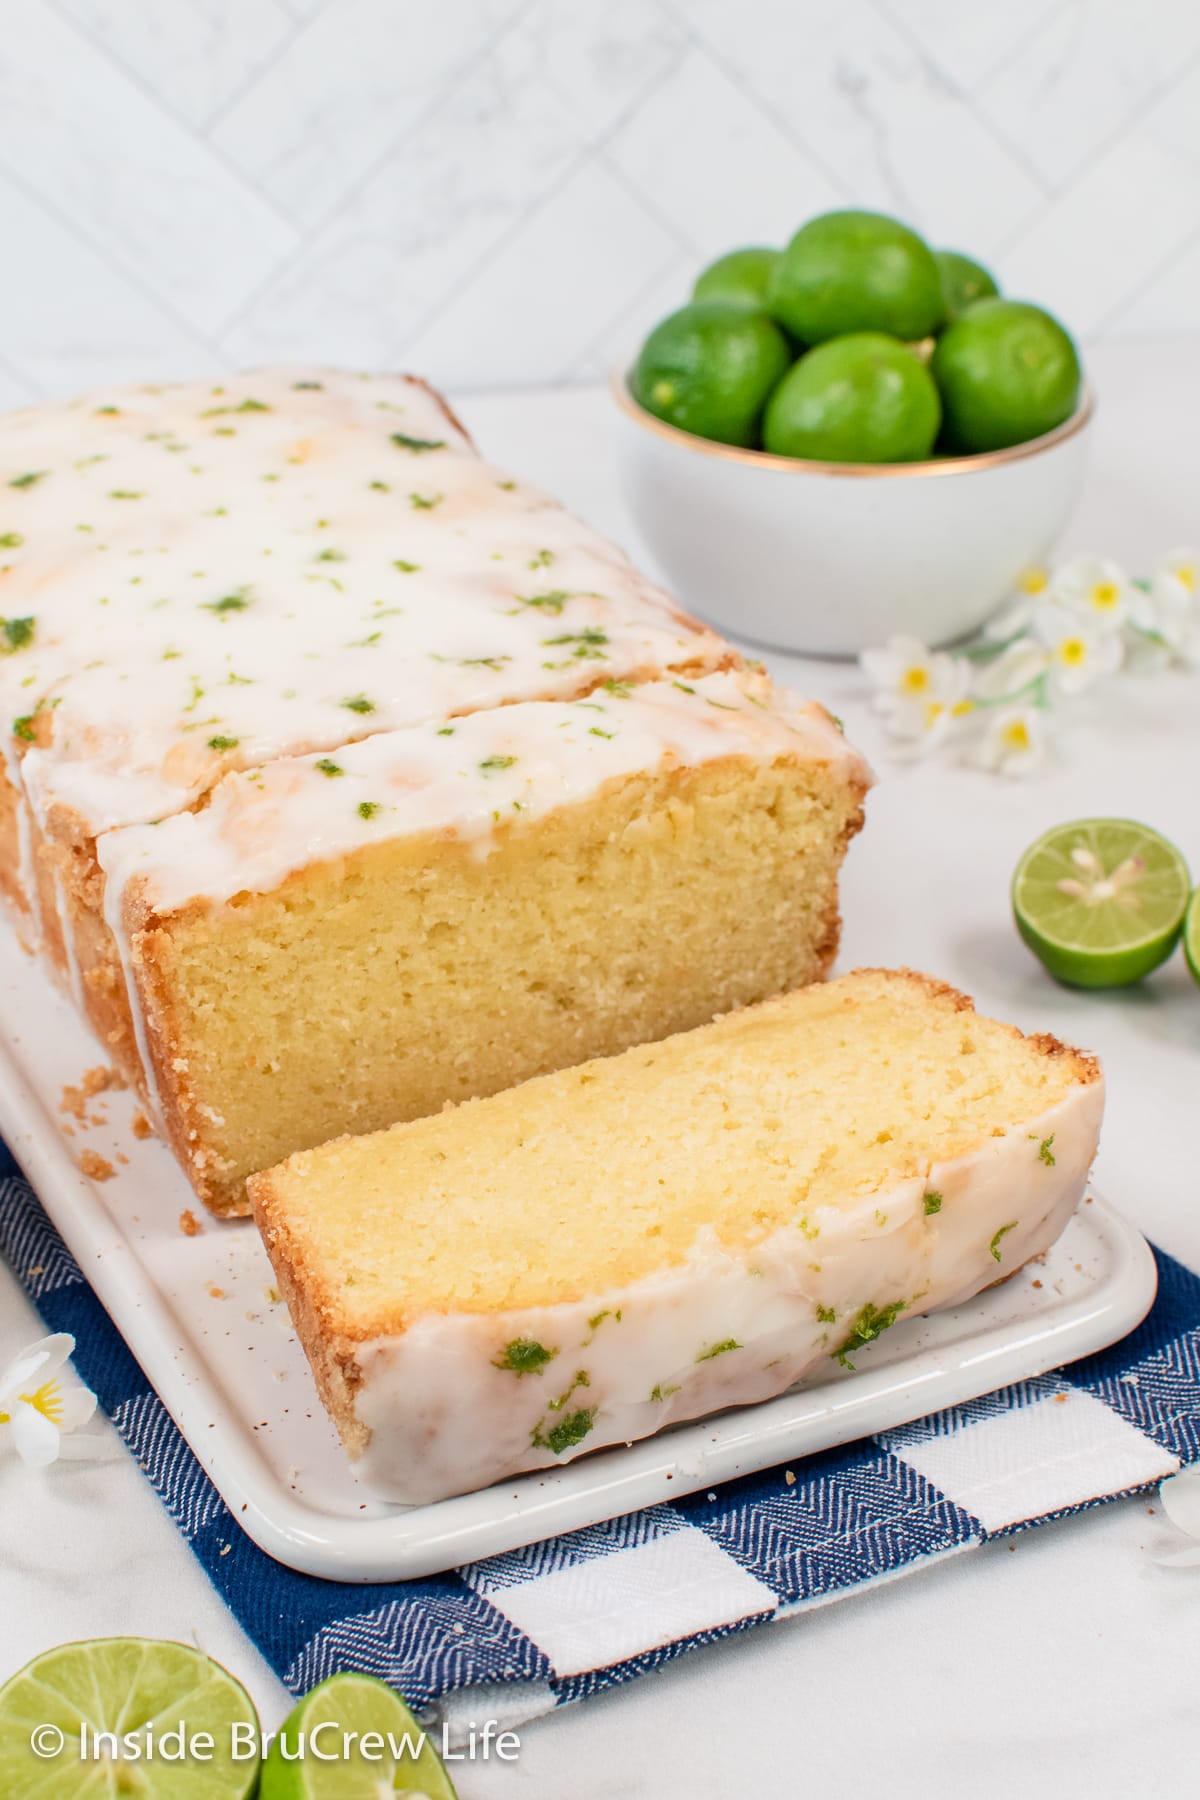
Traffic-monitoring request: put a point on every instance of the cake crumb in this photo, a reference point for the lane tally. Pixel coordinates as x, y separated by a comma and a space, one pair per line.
789, 1477
189, 1224
92, 1082
141, 1126
215, 1292
1037, 1284
1060, 1399
96, 1166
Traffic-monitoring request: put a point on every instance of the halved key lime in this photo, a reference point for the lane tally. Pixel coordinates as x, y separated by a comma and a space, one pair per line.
142, 1691
375, 1745
1101, 901
1191, 935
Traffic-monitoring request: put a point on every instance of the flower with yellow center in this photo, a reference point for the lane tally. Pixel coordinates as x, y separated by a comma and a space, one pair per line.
1031, 590
1095, 588
1079, 653
1014, 742
1172, 607
40, 1401
909, 679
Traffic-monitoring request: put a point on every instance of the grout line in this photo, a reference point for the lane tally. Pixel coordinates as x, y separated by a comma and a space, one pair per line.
193, 133
131, 277
1104, 149
589, 152
298, 25
626, 310
1141, 111
705, 47
958, 93
1146, 282
461, 72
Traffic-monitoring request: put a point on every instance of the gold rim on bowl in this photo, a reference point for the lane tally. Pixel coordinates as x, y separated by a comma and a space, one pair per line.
945, 465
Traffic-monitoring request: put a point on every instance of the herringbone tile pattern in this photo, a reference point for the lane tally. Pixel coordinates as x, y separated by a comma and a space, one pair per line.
509, 191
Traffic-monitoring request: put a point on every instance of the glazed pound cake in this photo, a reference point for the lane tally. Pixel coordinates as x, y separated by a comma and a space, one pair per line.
691, 1225
345, 775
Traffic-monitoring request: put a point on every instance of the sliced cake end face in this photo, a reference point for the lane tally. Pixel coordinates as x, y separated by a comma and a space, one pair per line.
783, 1115
689, 1226
583, 886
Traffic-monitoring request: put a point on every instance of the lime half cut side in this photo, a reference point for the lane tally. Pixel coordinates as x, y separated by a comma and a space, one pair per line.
353, 1738
1191, 935
142, 1691
1101, 902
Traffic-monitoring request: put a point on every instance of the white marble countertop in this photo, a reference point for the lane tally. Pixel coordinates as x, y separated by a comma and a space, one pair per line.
1062, 1662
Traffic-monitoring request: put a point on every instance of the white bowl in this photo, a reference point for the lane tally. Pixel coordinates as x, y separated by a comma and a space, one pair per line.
832, 558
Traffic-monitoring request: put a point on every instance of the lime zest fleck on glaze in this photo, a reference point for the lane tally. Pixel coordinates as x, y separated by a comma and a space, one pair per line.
32, 478
933, 1202
524, 1356
425, 502
721, 1349
1003, 1232
328, 767
238, 600
491, 763
659, 1392
870, 1322
12, 540
16, 634
368, 808
23, 728
568, 1432
358, 703
417, 445
223, 743
406, 568
827, 1315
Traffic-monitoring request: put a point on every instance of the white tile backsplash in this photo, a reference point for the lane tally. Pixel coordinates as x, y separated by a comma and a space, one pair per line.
504, 191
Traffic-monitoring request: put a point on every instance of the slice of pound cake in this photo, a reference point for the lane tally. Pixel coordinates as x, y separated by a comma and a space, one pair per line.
690, 1225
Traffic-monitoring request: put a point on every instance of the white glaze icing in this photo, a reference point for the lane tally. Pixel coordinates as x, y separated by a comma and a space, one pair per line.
444, 1419
458, 779
218, 575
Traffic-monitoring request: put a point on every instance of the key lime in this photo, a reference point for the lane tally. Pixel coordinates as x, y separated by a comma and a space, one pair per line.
1191, 935
1007, 372
709, 367
388, 1751
856, 271
1101, 901
741, 277
142, 1691
863, 398
963, 281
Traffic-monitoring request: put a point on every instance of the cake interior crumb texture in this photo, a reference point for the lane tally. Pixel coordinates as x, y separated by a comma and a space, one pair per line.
373, 988
588, 1179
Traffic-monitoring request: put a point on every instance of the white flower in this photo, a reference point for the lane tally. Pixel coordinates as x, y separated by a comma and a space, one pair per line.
909, 677
1014, 742
1097, 589
38, 1406
1032, 591
1079, 652
1172, 607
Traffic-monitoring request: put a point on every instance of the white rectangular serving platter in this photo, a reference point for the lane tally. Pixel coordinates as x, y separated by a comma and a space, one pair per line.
200, 1314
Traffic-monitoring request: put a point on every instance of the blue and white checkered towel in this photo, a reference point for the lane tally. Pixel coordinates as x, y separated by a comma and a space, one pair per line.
561, 1620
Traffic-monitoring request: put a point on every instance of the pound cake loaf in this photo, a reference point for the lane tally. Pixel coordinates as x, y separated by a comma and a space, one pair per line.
691, 1225
344, 775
